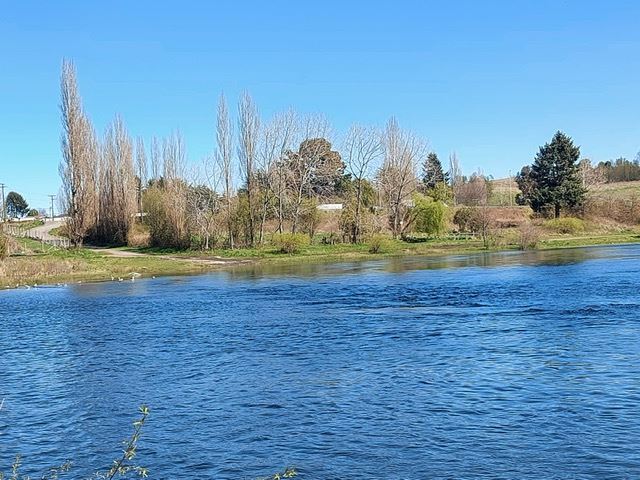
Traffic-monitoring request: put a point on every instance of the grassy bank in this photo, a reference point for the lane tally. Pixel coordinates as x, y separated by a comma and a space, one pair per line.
37, 264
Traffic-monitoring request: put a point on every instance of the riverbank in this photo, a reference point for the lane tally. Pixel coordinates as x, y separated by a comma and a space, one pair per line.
37, 264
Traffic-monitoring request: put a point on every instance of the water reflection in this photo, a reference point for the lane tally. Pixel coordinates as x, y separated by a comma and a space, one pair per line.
309, 267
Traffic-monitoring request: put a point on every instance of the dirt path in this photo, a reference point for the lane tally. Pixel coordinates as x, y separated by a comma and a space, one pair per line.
213, 260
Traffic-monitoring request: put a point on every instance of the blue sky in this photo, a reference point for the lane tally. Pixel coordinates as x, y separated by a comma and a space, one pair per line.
491, 80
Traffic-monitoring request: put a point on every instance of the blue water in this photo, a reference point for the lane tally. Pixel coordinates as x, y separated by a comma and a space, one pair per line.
513, 365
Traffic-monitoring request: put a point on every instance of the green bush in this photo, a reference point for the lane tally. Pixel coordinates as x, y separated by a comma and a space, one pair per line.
379, 244
565, 225
290, 242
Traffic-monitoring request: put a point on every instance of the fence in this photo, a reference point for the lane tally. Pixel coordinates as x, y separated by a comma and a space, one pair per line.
43, 237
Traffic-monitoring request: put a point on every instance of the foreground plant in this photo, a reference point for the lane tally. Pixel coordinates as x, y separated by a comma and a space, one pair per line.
123, 467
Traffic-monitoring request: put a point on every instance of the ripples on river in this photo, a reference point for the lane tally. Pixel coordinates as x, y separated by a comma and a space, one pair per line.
488, 366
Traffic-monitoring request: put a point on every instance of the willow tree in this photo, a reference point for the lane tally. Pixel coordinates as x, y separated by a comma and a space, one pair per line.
79, 165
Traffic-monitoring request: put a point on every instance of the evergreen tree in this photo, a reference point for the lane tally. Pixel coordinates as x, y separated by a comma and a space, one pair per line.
17, 206
432, 173
553, 179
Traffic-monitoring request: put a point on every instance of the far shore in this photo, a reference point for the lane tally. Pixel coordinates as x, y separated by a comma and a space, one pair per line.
48, 266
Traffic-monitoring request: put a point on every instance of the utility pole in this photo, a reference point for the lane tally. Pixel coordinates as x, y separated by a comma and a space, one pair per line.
51, 197
4, 210
510, 182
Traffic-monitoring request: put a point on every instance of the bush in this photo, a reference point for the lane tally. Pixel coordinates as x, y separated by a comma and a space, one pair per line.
528, 236
565, 225
379, 244
462, 219
290, 242
4, 246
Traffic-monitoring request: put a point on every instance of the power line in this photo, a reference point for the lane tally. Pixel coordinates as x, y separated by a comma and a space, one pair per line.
4, 210
51, 197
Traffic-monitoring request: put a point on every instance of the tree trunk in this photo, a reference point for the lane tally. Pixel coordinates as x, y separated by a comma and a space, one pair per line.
557, 212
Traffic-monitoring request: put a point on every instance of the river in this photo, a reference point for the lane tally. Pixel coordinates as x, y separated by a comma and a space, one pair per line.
503, 365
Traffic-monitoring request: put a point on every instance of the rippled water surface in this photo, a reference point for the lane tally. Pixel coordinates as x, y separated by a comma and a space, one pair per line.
507, 365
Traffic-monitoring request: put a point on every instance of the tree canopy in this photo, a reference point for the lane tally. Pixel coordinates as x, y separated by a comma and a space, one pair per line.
432, 172
17, 206
553, 179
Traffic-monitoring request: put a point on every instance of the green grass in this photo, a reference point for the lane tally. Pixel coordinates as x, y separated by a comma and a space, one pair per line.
37, 263
26, 225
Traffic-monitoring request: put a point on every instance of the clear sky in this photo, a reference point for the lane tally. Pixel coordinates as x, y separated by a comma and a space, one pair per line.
491, 80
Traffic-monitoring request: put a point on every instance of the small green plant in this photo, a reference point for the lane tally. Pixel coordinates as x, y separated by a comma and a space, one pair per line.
123, 467
565, 225
379, 244
290, 242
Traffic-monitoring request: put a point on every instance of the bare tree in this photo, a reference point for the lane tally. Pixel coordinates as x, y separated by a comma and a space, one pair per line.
156, 159
275, 142
403, 151
302, 165
141, 167
591, 176
455, 175
224, 158
248, 128
118, 187
203, 201
362, 147
78, 168
473, 191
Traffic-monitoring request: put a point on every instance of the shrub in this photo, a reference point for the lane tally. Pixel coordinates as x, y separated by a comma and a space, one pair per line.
290, 242
379, 244
138, 236
528, 236
565, 225
462, 219
310, 217
4, 246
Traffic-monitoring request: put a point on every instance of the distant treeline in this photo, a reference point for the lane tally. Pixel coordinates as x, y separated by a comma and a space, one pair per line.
267, 177
620, 170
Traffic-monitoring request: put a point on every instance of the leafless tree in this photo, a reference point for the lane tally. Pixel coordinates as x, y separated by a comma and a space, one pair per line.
455, 175
248, 130
174, 192
403, 151
203, 201
156, 159
275, 142
362, 148
473, 191
591, 176
141, 167
78, 168
313, 130
118, 187
224, 159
